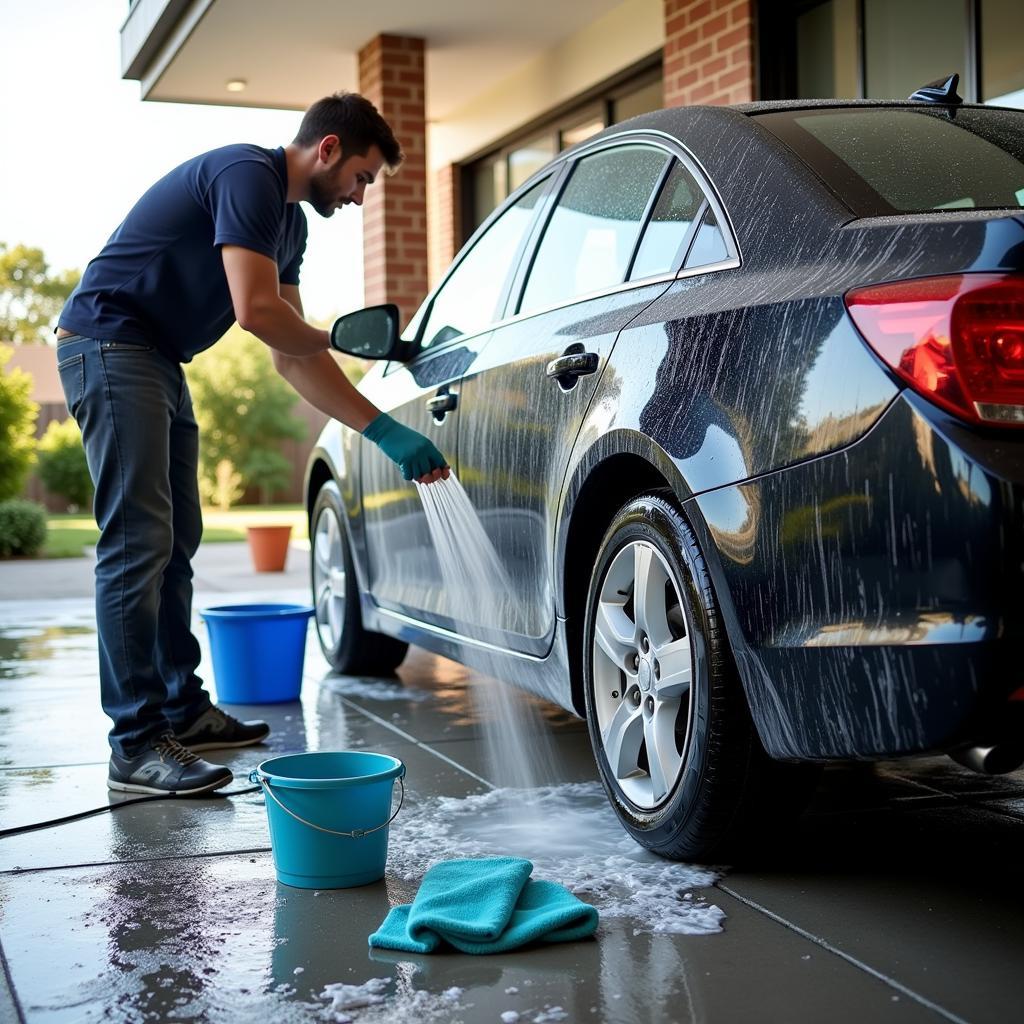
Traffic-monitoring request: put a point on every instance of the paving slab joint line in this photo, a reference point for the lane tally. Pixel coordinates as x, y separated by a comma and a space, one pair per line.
968, 799
818, 941
9, 982
1003, 812
419, 743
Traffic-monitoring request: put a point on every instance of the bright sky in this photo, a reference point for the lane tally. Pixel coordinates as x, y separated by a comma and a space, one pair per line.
78, 146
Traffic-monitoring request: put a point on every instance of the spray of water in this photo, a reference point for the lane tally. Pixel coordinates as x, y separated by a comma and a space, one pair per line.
480, 598
568, 830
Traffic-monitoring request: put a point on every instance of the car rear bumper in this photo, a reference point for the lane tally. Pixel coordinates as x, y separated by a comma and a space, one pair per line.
875, 597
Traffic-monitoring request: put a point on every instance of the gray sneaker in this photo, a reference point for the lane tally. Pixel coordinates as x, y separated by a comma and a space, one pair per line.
215, 729
166, 767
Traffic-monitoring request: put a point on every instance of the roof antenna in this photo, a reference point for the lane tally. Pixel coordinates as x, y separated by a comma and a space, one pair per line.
942, 90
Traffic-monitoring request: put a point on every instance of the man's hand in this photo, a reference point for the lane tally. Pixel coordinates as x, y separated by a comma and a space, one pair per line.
415, 455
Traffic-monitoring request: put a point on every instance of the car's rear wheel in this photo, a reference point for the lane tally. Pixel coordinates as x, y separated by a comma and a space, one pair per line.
672, 735
347, 646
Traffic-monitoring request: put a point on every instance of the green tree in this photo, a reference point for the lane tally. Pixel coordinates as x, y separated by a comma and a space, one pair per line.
62, 465
31, 294
17, 427
244, 411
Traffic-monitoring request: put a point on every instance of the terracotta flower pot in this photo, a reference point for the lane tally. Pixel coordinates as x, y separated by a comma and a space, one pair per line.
269, 547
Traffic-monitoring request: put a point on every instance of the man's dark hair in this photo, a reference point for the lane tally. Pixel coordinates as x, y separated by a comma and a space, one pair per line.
356, 122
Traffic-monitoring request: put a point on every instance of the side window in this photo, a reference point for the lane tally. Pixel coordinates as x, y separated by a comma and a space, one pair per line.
669, 227
709, 245
468, 300
592, 232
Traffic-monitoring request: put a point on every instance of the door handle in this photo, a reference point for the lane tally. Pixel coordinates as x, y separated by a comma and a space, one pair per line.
440, 404
578, 364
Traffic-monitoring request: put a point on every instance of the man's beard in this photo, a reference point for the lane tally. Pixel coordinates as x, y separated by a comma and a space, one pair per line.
323, 193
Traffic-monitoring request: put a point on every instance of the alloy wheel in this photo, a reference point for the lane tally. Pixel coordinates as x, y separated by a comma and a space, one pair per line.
329, 578
643, 671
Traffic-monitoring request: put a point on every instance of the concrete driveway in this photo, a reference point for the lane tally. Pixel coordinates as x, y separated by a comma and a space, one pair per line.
897, 898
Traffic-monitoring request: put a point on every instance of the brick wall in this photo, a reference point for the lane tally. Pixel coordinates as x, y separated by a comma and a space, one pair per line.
395, 208
446, 220
709, 52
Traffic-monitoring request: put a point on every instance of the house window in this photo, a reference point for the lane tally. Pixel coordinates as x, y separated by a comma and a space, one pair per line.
893, 67
487, 181
849, 49
526, 159
826, 37
587, 122
1002, 71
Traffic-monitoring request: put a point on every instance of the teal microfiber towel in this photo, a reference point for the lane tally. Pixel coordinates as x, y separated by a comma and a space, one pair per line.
489, 905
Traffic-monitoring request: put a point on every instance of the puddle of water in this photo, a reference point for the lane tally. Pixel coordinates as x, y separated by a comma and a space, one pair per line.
372, 689
572, 836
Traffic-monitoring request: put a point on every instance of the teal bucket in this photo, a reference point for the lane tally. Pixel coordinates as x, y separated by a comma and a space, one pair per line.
329, 814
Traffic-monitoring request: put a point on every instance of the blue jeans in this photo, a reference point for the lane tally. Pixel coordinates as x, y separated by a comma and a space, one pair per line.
142, 446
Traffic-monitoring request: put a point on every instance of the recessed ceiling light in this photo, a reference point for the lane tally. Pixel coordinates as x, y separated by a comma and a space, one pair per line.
236, 84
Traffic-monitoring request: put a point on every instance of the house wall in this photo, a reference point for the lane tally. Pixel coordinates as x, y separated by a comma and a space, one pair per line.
633, 30
709, 52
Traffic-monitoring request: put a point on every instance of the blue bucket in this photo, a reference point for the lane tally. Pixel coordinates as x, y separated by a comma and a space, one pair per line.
329, 814
258, 651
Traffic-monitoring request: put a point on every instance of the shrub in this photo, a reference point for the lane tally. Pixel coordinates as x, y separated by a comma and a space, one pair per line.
17, 427
226, 487
244, 411
62, 465
22, 527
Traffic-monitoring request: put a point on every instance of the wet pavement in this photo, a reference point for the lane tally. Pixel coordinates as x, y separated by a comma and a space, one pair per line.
896, 898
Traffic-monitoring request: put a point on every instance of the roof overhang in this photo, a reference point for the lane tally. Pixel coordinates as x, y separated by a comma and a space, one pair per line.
290, 54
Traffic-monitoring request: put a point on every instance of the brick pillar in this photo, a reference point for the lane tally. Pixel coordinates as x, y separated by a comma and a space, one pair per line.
395, 209
709, 52
446, 221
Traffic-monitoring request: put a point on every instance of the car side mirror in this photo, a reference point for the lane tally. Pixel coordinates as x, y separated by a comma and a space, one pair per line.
370, 333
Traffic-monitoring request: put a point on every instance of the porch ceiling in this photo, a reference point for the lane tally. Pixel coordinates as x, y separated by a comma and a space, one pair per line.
291, 54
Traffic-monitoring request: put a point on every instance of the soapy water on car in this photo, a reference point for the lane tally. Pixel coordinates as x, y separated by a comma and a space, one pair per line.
569, 831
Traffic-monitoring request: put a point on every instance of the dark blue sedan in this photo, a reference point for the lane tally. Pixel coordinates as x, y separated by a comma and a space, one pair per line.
737, 394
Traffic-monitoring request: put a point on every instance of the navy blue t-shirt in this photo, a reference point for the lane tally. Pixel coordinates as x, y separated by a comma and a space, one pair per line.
160, 278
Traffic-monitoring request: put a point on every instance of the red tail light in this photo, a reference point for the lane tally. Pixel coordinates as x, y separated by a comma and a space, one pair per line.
958, 340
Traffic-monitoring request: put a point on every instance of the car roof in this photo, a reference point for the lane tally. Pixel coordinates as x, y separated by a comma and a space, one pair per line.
774, 106
680, 121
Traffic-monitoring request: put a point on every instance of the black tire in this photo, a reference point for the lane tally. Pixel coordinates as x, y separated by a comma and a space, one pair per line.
726, 790
348, 647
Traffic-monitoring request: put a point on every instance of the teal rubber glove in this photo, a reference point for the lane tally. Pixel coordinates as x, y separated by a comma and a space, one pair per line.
414, 454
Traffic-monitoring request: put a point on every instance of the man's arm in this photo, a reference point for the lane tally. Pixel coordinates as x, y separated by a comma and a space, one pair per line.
321, 382
260, 308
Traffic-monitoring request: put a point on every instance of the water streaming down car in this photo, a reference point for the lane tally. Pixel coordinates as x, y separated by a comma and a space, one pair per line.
738, 395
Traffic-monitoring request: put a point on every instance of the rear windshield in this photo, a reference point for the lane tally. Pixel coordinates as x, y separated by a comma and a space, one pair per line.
885, 160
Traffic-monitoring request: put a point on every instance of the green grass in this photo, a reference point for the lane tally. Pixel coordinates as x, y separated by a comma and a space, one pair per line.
70, 535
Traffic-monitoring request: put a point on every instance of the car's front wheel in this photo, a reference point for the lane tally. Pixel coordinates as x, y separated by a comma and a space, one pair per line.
668, 720
347, 646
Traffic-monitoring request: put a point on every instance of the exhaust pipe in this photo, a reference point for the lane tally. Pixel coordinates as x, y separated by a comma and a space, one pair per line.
997, 760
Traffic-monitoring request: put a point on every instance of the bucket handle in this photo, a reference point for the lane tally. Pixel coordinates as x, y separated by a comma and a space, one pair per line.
356, 833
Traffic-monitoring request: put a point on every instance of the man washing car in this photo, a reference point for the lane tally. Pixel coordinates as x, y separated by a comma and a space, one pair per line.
218, 239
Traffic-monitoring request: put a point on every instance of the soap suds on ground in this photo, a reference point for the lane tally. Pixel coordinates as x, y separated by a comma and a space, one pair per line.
371, 1003
572, 836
